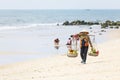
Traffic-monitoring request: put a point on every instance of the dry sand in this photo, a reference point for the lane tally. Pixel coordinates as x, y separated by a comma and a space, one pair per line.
104, 67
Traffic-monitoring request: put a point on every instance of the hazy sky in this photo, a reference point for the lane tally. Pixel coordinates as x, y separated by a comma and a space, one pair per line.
59, 4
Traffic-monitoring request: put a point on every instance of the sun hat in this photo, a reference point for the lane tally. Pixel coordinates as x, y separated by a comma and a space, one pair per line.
85, 31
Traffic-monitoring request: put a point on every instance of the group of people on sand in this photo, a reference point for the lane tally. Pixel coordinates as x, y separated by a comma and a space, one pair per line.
85, 42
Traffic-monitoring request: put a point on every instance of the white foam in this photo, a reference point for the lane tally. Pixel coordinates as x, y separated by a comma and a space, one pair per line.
27, 26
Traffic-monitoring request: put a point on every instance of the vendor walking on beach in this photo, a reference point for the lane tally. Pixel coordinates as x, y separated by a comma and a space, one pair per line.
84, 44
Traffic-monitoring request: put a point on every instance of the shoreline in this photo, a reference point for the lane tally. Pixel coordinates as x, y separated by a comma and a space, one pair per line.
12, 55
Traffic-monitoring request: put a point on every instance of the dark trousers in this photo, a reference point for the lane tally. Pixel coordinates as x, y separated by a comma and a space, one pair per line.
83, 53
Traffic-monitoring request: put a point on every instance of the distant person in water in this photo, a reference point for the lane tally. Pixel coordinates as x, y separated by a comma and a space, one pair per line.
56, 43
84, 45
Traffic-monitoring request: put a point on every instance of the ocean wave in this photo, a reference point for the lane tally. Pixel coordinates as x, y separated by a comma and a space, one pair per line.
13, 27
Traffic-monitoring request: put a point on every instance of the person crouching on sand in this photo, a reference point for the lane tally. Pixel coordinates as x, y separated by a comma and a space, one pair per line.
56, 43
84, 45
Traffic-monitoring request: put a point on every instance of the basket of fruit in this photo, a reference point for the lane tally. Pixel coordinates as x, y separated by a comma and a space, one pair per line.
94, 52
72, 53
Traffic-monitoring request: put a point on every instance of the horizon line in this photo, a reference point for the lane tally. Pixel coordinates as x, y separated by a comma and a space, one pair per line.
59, 9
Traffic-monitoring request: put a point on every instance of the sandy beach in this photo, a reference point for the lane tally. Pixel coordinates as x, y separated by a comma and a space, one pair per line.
106, 66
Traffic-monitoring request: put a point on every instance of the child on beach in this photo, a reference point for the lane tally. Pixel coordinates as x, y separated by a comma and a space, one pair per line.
69, 43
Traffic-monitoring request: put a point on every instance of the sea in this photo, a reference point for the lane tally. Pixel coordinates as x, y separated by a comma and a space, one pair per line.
29, 34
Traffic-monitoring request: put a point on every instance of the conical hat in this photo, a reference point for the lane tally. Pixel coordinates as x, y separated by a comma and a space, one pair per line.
85, 31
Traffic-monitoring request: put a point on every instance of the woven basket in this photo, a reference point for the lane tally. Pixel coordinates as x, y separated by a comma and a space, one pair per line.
72, 53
